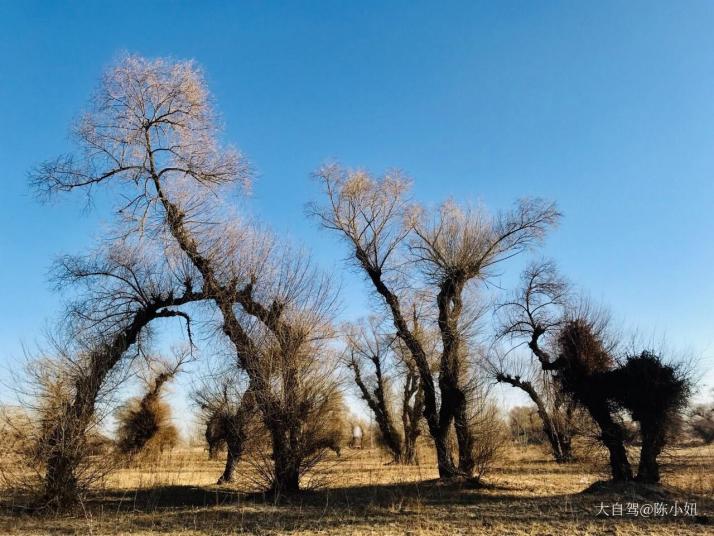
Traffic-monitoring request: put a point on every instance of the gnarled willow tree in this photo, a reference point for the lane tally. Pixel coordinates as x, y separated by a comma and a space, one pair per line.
151, 132
399, 246
575, 346
119, 292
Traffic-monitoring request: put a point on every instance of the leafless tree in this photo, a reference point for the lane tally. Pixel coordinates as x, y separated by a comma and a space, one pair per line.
543, 315
538, 302
399, 246
120, 291
391, 370
701, 422
366, 344
151, 131
576, 345
289, 315
227, 416
554, 409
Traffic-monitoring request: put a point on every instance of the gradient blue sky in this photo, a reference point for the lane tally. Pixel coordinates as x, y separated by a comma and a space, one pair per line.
605, 107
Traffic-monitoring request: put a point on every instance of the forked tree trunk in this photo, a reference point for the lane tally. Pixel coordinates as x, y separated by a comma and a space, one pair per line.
376, 401
411, 417
444, 460
454, 399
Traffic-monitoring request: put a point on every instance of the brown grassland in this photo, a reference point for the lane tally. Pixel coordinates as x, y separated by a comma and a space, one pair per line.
526, 493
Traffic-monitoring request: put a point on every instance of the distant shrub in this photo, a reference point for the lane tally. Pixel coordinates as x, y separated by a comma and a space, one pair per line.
701, 422
525, 426
490, 434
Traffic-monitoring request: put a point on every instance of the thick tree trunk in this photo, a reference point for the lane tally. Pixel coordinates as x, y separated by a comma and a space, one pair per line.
61, 490
234, 447
286, 468
464, 437
454, 400
613, 438
411, 416
444, 460
67, 437
653, 440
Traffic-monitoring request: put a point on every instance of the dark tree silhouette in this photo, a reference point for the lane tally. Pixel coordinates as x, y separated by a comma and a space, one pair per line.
581, 361
555, 421
389, 363
120, 293
152, 132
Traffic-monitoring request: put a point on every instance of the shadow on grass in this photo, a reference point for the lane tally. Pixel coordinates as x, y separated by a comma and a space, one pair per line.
336, 509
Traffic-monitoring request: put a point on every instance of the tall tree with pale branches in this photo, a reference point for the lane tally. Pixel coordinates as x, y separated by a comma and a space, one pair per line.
399, 246
152, 132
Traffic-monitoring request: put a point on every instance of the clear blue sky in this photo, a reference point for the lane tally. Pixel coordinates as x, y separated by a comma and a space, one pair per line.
605, 107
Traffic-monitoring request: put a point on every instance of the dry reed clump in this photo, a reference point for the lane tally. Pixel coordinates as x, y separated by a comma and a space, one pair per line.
145, 429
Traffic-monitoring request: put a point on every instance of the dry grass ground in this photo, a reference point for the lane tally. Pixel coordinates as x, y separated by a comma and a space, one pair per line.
526, 494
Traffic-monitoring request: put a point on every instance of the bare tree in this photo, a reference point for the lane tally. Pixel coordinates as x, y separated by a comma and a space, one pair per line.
366, 344
391, 371
701, 422
398, 246
228, 417
542, 310
554, 413
554, 408
412, 403
576, 346
120, 291
289, 313
151, 131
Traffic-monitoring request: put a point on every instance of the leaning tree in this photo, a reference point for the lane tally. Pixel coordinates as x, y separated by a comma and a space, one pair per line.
151, 131
119, 291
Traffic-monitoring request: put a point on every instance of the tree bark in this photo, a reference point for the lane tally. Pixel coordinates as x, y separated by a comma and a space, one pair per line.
445, 463
653, 440
454, 400
613, 438
411, 415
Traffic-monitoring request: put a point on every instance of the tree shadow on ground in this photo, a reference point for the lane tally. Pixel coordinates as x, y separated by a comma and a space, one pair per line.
334, 509
217, 509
